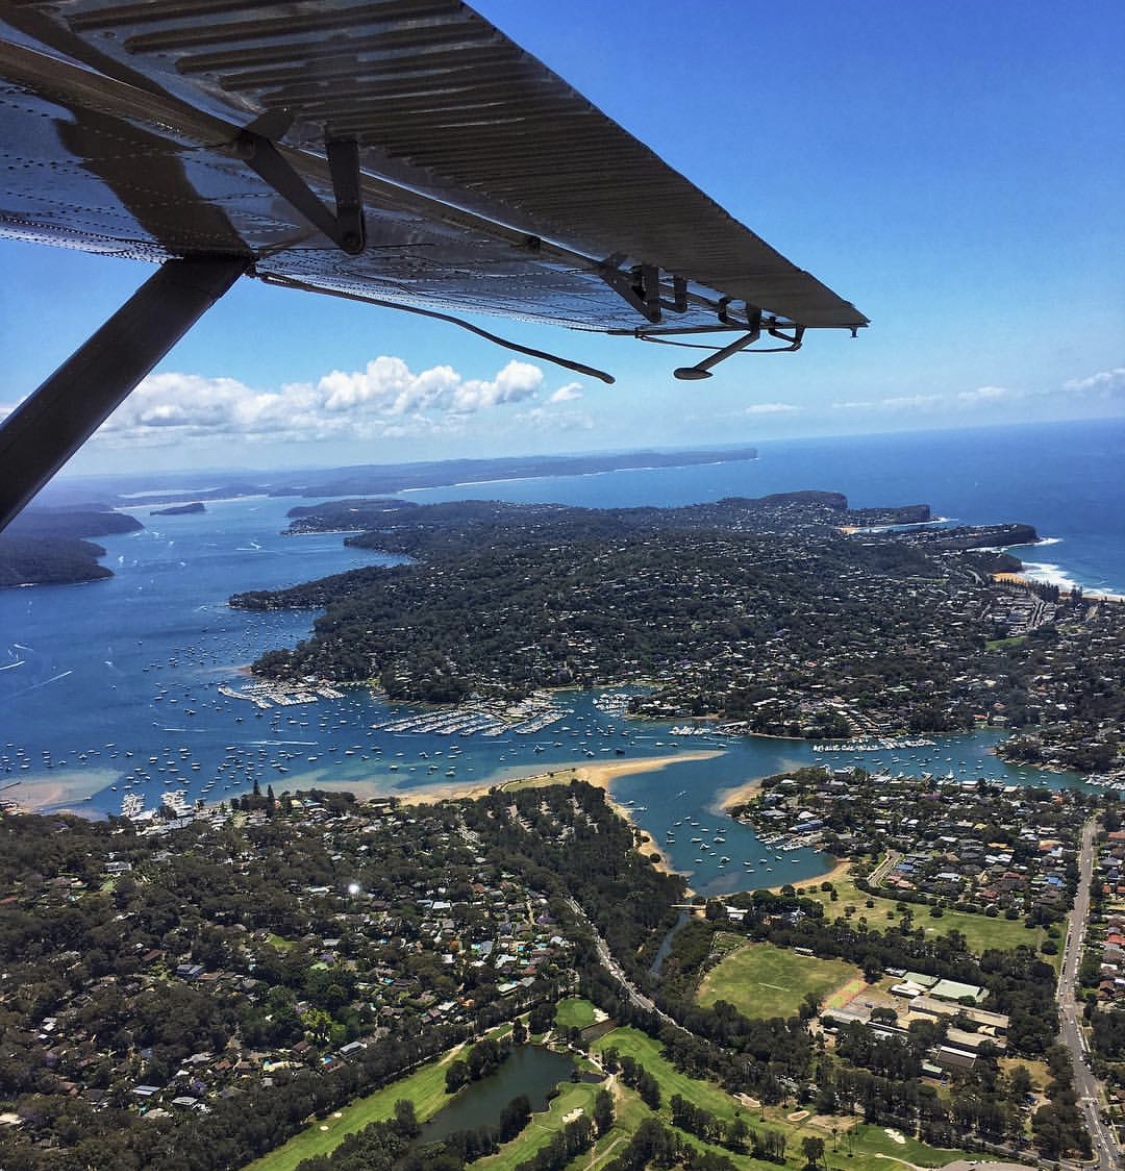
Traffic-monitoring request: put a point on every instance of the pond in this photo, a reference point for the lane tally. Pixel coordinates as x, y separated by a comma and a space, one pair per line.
530, 1070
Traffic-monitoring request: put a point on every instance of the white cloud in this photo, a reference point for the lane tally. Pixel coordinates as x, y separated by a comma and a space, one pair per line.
988, 395
913, 402
542, 419
770, 409
386, 399
855, 406
1106, 387
1108, 384
388, 387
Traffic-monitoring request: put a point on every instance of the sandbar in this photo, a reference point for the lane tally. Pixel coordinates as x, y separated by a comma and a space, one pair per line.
64, 793
601, 776
739, 794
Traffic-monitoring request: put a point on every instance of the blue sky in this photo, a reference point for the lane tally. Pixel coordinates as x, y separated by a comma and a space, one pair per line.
954, 168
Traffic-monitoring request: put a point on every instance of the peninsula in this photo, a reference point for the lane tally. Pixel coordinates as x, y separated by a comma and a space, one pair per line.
131, 491
49, 547
789, 615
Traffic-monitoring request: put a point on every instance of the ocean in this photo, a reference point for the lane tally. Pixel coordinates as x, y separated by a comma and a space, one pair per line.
1066, 479
113, 687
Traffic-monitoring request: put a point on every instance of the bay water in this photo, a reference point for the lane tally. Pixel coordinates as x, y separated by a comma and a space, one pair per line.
114, 686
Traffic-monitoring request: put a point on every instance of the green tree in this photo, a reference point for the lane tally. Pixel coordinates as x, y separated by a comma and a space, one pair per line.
406, 1119
813, 1150
604, 1115
456, 1075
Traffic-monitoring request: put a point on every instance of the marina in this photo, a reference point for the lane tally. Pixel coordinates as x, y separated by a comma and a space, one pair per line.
167, 713
881, 744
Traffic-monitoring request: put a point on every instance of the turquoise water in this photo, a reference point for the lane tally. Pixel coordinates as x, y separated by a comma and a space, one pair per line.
685, 800
102, 682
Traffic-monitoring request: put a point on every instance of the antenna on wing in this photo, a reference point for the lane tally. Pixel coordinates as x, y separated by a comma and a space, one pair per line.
568, 363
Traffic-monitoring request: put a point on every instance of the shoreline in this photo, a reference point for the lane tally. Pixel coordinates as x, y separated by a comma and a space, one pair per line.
601, 776
740, 794
726, 799
64, 793
70, 793
1027, 580
68, 796
840, 869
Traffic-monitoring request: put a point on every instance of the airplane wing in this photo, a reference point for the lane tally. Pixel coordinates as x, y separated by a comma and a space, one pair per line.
398, 151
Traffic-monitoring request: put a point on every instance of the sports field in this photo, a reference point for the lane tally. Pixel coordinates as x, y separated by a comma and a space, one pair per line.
980, 932
761, 980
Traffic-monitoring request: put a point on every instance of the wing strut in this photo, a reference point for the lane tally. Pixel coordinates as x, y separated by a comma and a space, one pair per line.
346, 228
49, 426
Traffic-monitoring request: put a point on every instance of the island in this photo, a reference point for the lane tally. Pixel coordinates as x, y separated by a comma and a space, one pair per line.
192, 509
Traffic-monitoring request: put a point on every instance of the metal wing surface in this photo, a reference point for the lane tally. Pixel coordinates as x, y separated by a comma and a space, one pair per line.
484, 183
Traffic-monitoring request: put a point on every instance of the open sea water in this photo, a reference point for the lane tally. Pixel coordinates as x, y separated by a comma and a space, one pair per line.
113, 687
1066, 479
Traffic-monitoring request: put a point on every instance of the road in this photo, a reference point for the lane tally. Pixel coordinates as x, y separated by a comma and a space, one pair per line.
875, 878
636, 997
1107, 1150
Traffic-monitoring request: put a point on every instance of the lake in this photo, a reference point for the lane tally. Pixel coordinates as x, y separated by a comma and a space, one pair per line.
530, 1070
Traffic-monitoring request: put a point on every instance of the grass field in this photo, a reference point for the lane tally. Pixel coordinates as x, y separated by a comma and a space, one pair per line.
875, 1150
574, 1014
643, 1049
542, 1127
425, 1088
980, 932
761, 980
996, 644
869, 1148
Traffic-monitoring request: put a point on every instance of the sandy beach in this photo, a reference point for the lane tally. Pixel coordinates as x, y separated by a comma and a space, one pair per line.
600, 775
739, 794
837, 872
603, 775
1028, 579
